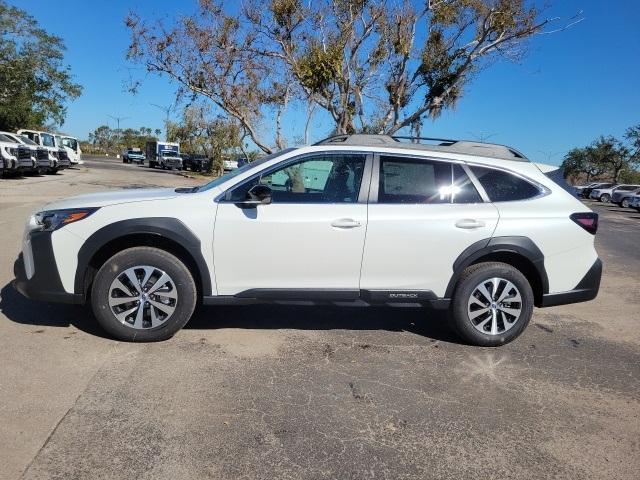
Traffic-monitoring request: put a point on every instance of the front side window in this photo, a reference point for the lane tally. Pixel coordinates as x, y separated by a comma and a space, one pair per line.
320, 179
408, 180
503, 186
463, 189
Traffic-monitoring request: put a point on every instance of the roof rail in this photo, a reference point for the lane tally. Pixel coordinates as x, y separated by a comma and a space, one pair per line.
465, 147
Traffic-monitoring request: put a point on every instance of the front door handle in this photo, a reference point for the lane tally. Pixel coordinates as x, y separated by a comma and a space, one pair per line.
345, 223
470, 223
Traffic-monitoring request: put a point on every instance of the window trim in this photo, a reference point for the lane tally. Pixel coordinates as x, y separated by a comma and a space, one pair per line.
363, 192
542, 190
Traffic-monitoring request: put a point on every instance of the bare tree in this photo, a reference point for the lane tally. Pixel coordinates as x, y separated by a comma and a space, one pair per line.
376, 66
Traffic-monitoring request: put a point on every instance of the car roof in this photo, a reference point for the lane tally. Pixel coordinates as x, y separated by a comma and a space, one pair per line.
465, 147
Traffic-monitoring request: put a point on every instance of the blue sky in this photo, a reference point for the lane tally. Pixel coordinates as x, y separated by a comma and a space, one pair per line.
571, 86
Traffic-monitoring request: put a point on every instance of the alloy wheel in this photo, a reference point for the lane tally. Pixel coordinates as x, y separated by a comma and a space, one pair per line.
143, 297
494, 306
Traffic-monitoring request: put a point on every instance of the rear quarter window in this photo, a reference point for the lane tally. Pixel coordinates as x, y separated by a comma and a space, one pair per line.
503, 186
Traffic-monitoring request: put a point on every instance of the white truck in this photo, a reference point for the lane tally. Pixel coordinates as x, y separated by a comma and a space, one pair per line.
72, 146
57, 154
163, 154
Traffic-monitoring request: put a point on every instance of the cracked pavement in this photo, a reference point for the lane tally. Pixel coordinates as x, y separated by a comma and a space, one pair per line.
290, 392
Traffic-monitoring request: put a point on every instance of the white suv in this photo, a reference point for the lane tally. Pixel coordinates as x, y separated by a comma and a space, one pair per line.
366, 219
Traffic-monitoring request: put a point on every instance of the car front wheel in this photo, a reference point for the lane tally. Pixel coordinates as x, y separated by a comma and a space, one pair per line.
492, 304
605, 198
624, 203
143, 294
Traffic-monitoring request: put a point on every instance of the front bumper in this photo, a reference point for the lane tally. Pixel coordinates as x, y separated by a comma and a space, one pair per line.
44, 283
587, 289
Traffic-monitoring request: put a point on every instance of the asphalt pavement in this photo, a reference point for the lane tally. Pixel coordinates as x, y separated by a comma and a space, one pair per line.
316, 392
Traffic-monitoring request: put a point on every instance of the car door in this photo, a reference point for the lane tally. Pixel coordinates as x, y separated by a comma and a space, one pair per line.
423, 214
307, 242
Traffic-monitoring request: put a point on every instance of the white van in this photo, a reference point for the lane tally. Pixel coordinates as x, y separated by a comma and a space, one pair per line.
57, 154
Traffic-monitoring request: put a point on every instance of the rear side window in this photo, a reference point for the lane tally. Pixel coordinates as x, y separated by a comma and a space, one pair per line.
503, 186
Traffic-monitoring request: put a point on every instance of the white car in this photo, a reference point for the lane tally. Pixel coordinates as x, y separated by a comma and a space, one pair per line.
363, 219
605, 194
229, 164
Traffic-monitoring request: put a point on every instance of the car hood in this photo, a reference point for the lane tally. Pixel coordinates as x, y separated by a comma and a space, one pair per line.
114, 197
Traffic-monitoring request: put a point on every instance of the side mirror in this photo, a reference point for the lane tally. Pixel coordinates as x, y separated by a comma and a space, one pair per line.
257, 195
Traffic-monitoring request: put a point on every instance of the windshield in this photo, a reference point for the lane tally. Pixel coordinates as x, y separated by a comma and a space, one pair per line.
238, 171
72, 143
4, 138
47, 140
168, 153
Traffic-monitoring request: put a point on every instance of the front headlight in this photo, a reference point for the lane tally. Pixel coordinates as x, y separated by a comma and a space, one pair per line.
51, 220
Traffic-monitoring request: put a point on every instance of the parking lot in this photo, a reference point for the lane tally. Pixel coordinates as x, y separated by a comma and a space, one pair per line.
266, 392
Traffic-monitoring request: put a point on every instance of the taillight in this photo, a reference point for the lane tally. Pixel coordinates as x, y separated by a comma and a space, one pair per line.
587, 220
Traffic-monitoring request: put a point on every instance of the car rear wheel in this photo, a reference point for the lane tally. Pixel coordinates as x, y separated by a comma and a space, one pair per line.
605, 198
492, 304
143, 294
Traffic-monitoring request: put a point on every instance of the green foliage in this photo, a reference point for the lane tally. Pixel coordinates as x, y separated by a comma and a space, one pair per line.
34, 82
361, 61
197, 133
105, 139
606, 157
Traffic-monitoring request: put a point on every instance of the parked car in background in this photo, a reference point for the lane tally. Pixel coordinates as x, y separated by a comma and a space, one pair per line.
30, 146
586, 192
634, 202
474, 228
603, 194
57, 156
580, 188
622, 194
72, 147
133, 155
229, 165
195, 162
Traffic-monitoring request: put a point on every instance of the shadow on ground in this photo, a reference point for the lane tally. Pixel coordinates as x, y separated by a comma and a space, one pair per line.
427, 323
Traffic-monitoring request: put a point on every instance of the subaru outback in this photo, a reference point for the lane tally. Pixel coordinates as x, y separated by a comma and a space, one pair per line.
470, 227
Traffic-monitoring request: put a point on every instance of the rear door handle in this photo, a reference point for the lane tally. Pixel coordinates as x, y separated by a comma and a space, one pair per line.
345, 223
470, 223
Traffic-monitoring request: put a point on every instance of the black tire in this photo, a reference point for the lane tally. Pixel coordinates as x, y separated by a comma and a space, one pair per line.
605, 198
624, 203
466, 285
154, 257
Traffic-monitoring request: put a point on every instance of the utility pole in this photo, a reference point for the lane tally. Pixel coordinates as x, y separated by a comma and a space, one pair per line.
482, 136
167, 113
549, 155
118, 120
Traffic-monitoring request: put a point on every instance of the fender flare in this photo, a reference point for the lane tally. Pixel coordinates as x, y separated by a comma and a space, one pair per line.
165, 227
522, 246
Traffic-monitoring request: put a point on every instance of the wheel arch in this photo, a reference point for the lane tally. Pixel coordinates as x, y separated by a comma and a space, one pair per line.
166, 233
519, 252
